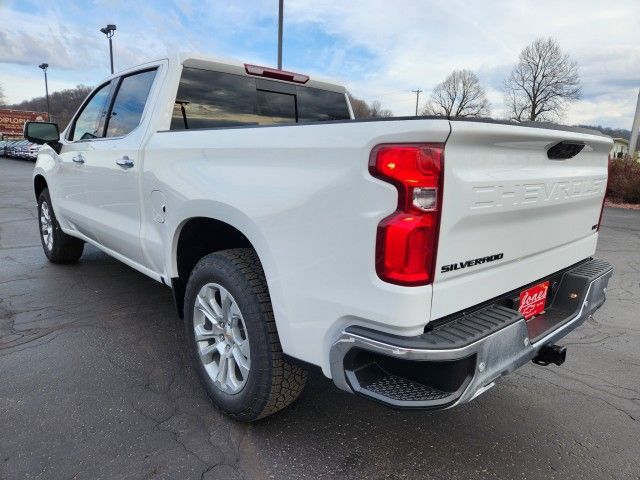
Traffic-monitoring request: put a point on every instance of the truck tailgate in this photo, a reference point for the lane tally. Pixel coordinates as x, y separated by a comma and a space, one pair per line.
511, 215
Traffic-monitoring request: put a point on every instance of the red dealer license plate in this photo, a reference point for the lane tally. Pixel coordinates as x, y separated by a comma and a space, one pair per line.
532, 300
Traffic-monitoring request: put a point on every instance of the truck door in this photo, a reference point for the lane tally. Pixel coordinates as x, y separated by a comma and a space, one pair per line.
67, 188
112, 169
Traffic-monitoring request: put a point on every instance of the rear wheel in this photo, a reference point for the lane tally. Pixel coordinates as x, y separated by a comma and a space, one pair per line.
232, 334
58, 246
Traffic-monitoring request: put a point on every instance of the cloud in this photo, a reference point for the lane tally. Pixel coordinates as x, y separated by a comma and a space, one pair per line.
25, 41
613, 109
379, 49
416, 44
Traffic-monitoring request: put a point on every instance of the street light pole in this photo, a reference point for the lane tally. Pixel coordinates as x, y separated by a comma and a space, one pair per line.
44, 67
111, 53
280, 15
109, 30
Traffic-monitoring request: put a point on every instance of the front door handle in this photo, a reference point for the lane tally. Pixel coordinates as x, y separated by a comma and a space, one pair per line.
125, 162
78, 158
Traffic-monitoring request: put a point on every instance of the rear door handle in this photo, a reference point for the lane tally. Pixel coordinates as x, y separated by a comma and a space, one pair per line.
125, 162
78, 158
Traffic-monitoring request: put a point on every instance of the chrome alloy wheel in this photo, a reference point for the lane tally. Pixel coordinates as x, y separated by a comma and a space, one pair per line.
46, 225
222, 338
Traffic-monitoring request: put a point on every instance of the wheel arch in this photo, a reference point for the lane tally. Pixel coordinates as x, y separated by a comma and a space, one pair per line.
196, 237
39, 184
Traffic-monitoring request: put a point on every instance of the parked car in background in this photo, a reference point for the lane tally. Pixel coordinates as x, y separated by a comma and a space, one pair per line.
33, 150
21, 148
414, 260
18, 148
23, 151
15, 150
5, 148
29, 151
10, 148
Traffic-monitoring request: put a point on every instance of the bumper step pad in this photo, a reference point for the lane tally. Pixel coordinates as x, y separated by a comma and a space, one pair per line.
461, 356
591, 270
456, 333
403, 389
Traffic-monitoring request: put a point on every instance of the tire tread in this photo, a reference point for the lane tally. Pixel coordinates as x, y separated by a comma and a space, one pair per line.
286, 379
66, 249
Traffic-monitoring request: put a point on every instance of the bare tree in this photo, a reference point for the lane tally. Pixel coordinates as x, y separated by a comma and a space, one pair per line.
542, 83
460, 95
2, 98
359, 107
362, 109
378, 112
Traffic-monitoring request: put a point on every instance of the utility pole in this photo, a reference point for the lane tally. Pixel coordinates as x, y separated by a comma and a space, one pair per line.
109, 30
280, 21
44, 67
417, 92
634, 128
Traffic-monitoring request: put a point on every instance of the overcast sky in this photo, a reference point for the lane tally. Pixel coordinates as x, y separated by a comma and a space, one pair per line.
380, 49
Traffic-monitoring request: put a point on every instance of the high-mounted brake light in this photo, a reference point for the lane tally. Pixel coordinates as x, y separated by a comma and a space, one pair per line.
274, 73
407, 239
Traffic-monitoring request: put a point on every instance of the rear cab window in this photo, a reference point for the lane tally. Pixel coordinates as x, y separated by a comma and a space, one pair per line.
211, 99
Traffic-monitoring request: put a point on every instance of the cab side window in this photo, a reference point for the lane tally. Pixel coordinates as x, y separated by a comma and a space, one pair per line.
129, 103
89, 122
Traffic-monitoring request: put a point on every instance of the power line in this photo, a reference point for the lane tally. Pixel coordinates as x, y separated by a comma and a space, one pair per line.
417, 92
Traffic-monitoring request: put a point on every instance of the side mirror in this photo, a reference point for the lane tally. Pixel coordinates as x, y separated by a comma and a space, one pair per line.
43, 132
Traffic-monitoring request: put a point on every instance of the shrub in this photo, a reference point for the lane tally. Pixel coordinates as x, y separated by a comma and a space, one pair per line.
624, 180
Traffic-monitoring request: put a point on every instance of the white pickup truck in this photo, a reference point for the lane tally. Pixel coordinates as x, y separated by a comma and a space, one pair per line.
414, 260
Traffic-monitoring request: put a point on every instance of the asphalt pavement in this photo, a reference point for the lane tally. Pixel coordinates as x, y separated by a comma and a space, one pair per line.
95, 383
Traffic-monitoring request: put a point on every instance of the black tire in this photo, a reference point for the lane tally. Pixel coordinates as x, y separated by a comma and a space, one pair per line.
272, 383
61, 248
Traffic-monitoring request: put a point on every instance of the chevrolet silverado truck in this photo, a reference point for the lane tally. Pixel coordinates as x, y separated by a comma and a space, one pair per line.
414, 260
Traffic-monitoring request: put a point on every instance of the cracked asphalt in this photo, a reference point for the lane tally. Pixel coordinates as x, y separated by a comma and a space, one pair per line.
95, 383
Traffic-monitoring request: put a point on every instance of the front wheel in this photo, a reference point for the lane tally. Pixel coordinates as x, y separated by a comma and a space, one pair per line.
232, 334
57, 245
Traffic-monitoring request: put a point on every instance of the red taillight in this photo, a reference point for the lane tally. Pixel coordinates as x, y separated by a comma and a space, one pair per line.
407, 239
275, 73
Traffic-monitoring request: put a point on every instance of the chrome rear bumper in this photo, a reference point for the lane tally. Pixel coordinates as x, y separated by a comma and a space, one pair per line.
457, 361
